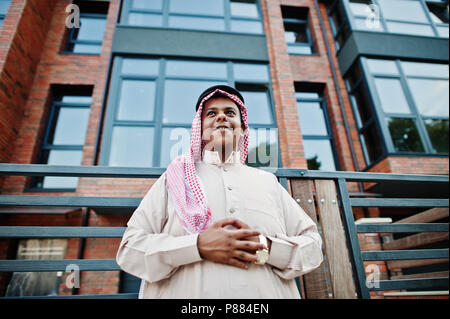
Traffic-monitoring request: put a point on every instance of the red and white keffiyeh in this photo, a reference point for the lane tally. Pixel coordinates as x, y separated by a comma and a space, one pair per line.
183, 182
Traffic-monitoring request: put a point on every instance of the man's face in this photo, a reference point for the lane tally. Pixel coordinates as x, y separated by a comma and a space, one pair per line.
221, 124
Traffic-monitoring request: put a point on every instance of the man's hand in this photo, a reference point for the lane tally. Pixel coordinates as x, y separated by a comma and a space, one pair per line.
229, 246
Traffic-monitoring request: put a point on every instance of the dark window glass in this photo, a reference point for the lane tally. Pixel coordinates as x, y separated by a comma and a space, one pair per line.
251, 72
431, 96
140, 67
64, 138
174, 142
146, 4
405, 135
371, 143
137, 100
197, 23
439, 12
196, 68
71, 125
314, 125
132, 146
312, 118
438, 133
263, 148
392, 96
360, 99
180, 98
89, 36
244, 8
319, 155
152, 104
258, 106
296, 30
145, 19
204, 7
246, 26
59, 157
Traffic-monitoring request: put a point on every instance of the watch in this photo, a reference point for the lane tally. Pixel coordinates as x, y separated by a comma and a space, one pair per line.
263, 254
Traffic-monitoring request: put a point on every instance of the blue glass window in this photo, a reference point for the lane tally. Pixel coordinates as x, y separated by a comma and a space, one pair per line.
151, 106
316, 132
240, 16
64, 138
88, 38
296, 30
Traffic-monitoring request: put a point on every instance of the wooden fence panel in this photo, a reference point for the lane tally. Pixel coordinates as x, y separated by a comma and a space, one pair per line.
335, 240
316, 281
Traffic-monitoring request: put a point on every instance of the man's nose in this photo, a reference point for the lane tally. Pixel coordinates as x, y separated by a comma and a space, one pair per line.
221, 117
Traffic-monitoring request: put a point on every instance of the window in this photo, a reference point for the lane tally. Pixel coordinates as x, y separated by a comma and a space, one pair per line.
411, 101
152, 104
64, 135
316, 131
4, 5
364, 116
296, 30
88, 38
241, 16
415, 17
338, 22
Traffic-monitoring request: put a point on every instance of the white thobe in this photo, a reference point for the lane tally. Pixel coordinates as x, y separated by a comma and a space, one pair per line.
156, 248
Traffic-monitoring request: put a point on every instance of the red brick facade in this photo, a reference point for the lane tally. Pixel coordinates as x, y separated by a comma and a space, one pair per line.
30, 62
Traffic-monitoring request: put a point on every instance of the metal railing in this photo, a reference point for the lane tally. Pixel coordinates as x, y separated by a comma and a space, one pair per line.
324, 192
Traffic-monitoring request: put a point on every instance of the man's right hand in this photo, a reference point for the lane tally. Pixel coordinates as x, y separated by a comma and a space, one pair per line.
229, 246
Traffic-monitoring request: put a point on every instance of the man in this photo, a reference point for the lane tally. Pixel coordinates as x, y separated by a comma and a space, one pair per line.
212, 227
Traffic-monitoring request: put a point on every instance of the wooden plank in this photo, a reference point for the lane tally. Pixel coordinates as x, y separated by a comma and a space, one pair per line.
423, 275
415, 241
396, 264
315, 282
335, 240
427, 216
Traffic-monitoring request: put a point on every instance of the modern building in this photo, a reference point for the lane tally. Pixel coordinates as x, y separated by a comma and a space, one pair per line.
344, 85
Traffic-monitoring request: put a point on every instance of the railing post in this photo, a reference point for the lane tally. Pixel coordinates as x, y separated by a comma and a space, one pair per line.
315, 281
334, 240
352, 236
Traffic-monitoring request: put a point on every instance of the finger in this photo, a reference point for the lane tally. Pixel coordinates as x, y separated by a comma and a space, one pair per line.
248, 245
237, 263
242, 233
225, 222
244, 256
240, 224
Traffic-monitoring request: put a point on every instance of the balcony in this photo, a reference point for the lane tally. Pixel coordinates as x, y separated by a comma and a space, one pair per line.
369, 258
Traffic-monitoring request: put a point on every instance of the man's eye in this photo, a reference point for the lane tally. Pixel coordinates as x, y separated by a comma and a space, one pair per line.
231, 112
211, 113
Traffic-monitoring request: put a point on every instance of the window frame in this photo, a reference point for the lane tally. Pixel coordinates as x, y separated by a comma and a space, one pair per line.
309, 44
329, 137
160, 79
383, 21
71, 41
46, 146
165, 14
379, 117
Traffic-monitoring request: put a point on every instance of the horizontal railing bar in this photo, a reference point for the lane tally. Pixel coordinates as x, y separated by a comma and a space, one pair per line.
68, 201
402, 228
398, 202
404, 254
38, 265
80, 171
140, 172
424, 283
60, 232
104, 296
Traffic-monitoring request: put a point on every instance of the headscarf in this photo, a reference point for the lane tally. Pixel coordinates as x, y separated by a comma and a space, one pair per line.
183, 183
